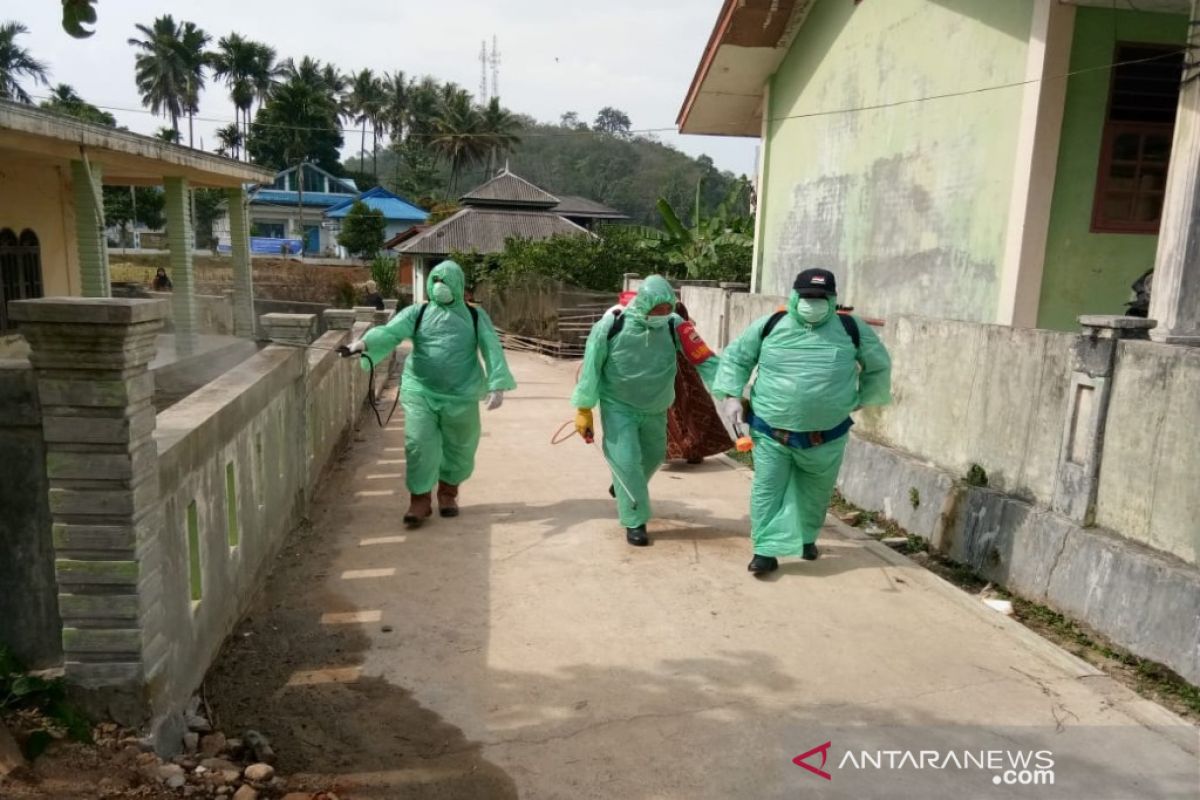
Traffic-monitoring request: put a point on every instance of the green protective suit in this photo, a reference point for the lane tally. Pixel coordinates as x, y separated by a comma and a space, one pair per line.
632, 378
443, 381
809, 379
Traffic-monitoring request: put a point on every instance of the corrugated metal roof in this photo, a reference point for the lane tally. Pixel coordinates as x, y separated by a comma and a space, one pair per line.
280, 197
574, 206
393, 206
484, 230
509, 190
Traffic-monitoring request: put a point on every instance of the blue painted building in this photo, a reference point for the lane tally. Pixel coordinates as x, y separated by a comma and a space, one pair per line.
399, 214
284, 211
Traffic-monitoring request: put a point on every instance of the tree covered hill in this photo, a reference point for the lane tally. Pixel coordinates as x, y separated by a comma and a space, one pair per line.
629, 172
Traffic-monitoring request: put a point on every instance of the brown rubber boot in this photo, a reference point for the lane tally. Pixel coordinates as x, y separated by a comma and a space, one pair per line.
447, 499
420, 508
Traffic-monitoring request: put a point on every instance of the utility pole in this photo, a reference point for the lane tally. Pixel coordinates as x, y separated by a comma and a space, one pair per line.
483, 65
495, 62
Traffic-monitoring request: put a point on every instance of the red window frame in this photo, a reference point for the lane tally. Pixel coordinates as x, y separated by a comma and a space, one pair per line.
1137, 193
1140, 184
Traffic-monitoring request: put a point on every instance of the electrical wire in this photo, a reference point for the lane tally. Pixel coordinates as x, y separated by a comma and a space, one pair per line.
672, 128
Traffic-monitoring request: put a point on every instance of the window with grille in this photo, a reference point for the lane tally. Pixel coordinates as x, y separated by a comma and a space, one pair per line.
20, 270
1142, 101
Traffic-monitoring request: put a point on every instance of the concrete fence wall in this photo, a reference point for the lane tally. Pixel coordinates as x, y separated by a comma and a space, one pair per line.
29, 621
164, 525
1150, 470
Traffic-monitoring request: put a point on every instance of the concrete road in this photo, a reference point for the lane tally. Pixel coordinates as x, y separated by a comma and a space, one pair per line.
524, 649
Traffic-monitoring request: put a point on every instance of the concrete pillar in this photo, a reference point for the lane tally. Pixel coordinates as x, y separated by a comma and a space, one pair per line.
364, 313
339, 319
1175, 294
90, 356
1088, 390
89, 230
243, 281
300, 329
382, 317
1047, 59
180, 241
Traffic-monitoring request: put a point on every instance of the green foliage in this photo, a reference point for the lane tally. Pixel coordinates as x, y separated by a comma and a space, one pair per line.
383, 272
169, 67
119, 207
19, 690
589, 262
977, 476
17, 62
362, 230
64, 100
76, 14
914, 497
717, 247
300, 121
627, 172
209, 205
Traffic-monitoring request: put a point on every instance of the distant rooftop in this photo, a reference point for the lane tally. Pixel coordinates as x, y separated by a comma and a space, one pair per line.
575, 206
507, 189
393, 206
484, 230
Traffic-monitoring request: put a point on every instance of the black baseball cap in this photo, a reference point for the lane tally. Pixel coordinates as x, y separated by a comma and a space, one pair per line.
815, 283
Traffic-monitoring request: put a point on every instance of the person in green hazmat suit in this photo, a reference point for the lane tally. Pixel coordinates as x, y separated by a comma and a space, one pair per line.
815, 366
629, 371
442, 387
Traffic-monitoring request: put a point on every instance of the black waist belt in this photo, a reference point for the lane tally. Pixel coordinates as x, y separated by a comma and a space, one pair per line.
801, 440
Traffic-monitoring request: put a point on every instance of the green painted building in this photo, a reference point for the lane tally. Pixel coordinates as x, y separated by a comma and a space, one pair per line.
986, 160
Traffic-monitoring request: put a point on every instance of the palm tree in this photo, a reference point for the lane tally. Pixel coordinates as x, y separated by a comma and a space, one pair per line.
363, 102
230, 138
264, 74
171, 135
17, 62
65, 100
192, 44
499, 128
458, 132
396, 91
162, 70
235, 61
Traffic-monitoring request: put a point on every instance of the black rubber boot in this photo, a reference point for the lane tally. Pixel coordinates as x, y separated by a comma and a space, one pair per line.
811, 553
637, 536
612, 492
761, 565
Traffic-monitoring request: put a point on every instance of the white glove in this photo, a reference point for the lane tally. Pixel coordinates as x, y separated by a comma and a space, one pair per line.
357, 346
732, 408
493, 400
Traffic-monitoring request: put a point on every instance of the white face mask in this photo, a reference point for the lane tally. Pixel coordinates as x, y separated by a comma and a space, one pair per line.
812, 309
442, 294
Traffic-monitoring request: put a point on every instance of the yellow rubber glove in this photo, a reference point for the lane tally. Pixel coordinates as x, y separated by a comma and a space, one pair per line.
583, 423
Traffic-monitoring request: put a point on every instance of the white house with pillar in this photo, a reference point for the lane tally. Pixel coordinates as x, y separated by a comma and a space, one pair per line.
52, 229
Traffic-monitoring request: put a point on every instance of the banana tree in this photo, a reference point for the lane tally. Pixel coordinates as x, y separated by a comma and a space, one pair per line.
718, 247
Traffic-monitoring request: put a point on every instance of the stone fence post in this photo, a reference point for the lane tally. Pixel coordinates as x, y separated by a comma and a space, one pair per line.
339, 319
289, 328
364, 313
91, 358
1088, 391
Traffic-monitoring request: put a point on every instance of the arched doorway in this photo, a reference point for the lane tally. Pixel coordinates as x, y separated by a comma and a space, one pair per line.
20, 270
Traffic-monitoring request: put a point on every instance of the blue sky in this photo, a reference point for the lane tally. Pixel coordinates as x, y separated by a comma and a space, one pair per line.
556, 55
